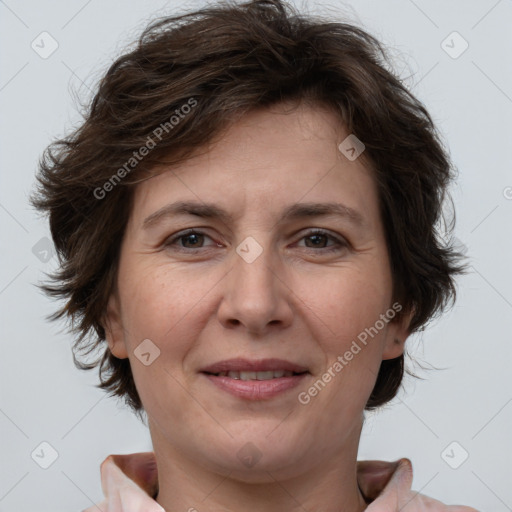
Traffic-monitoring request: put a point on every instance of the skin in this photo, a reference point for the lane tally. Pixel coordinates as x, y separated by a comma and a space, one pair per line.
295, 301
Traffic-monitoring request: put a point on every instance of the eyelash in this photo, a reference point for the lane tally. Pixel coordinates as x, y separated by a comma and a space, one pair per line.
314, 232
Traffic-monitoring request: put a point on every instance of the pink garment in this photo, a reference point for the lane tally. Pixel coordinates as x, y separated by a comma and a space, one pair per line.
130, 484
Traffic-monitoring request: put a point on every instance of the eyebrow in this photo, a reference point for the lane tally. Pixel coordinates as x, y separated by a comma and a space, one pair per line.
293, 212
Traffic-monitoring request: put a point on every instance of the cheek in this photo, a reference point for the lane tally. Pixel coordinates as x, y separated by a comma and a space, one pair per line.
346, 301
167, 306
156, 300
158, 306
360, 334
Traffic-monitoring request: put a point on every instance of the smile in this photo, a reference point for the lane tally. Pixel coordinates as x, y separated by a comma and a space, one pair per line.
249, 375
255, 385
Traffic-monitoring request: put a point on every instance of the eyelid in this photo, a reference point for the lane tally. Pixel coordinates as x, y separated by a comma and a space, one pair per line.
170, 240
340, 241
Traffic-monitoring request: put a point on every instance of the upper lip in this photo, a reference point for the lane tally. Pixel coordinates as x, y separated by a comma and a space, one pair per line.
255, 365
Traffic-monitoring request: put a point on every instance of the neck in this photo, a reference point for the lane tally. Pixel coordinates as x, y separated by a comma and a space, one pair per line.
189, 485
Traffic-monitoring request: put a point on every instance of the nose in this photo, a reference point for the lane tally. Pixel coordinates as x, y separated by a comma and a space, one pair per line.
256, 297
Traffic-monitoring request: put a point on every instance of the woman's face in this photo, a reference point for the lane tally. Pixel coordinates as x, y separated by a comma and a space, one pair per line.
256, 284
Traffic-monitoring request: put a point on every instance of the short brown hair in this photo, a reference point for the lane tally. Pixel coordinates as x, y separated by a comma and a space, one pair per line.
224, 61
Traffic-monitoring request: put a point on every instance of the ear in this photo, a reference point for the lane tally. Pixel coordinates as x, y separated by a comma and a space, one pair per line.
397, 333
114, 332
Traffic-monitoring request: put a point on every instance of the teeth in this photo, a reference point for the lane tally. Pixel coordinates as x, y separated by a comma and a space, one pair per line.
264, 375
256, 375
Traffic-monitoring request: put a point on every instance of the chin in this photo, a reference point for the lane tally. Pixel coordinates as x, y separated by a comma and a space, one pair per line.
254, 459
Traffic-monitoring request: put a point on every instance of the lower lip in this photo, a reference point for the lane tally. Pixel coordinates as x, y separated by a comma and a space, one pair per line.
256, 389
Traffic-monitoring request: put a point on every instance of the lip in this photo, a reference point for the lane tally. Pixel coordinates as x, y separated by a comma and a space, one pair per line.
255, 365
256, 389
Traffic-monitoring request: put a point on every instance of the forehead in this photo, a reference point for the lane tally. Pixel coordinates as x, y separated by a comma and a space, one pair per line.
265, 163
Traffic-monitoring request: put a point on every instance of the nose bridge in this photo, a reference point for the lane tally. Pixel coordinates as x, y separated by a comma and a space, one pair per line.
253, 295
253, 266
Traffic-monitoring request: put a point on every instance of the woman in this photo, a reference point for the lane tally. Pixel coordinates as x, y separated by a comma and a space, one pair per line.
246, 222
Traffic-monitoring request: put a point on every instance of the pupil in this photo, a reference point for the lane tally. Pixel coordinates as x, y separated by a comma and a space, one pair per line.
317, 237
188, 237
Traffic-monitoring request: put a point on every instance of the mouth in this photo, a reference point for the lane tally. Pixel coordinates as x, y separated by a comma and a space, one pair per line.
251, 375
255, 380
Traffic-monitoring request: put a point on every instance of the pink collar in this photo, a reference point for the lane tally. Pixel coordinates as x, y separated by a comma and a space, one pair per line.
130, 483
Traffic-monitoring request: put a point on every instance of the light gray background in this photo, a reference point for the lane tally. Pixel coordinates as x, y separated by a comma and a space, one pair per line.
45, 398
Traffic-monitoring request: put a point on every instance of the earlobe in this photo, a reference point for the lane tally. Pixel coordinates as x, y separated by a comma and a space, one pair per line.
114, 333
398, 333
393, 349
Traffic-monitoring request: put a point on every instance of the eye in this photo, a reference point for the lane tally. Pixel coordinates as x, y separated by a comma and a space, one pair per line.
188, 240
192, 240
318, 238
